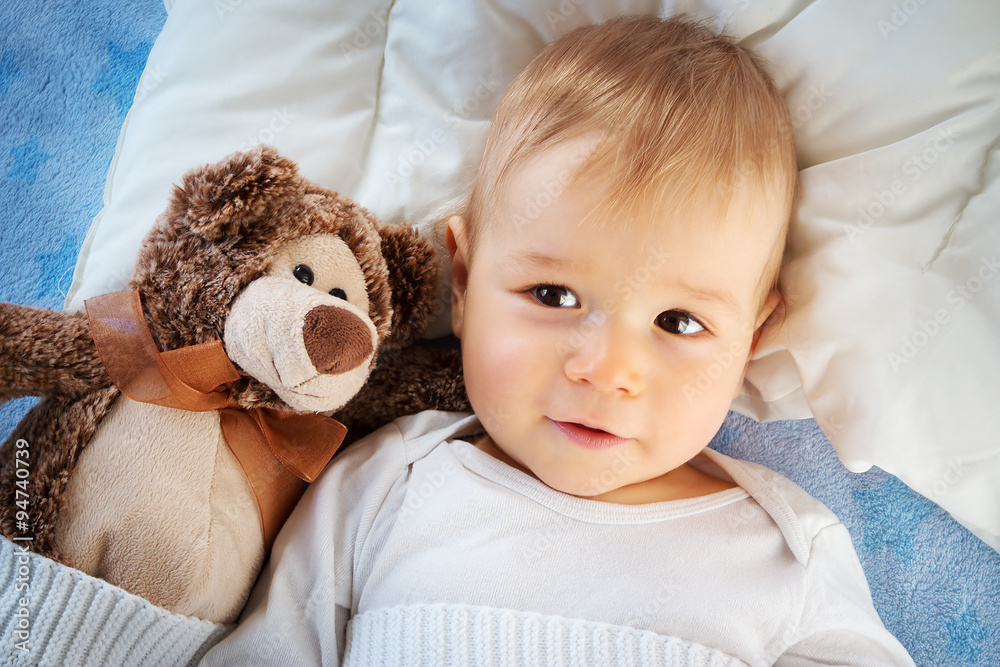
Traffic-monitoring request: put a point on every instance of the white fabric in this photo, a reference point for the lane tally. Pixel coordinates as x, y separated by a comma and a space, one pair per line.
417, 548
435, 635
897, 118
51, 614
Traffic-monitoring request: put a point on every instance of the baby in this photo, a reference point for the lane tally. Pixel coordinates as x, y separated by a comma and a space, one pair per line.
624, 234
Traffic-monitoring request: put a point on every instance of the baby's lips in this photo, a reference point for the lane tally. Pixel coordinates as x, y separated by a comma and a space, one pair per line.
588, 425
588, 437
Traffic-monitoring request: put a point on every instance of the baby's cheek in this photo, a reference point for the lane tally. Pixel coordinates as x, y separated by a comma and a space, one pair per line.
703, 391
498, 365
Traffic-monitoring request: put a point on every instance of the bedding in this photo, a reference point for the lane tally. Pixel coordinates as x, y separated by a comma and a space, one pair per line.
889, 281
389, 102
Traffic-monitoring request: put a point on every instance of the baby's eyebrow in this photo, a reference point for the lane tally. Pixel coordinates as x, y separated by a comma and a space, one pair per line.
532, 259
707, 294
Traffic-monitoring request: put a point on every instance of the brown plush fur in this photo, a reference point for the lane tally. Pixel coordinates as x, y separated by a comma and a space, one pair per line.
45, 352
421, 376
226, 221
223, 225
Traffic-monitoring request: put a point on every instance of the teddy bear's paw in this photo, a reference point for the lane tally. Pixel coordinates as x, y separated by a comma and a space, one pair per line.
46, 352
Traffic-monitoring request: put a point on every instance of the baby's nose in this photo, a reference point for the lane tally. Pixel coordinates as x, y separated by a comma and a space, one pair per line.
607, 360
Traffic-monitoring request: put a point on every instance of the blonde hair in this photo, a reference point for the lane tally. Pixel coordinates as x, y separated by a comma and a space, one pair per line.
683, 113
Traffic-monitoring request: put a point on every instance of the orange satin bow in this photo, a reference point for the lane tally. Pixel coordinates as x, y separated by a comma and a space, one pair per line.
279, 451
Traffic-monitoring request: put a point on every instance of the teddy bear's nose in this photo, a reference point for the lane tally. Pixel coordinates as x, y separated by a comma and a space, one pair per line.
336, 339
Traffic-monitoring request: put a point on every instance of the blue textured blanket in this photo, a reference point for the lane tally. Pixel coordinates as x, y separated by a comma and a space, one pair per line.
68, 73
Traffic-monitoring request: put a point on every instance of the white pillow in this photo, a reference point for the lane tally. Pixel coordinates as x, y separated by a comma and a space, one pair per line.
897, 123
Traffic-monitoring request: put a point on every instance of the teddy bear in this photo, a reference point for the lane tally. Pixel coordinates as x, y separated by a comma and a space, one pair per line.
180, 421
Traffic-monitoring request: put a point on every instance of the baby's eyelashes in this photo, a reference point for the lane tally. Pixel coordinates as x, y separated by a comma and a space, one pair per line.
674, 321
554, 296
678, 322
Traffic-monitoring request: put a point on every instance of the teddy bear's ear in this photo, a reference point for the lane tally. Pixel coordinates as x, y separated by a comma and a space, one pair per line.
415, 281
220, 199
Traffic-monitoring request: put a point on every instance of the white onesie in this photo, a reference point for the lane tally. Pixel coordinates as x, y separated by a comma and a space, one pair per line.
416, 548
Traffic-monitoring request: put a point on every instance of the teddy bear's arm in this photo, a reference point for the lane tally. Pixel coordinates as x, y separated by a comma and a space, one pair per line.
45, 352
53, 434
421, 376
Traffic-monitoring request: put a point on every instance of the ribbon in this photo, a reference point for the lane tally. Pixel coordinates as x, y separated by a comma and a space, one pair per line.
279, 451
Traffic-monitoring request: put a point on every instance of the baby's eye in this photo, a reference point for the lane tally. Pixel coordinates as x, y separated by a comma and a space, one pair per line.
678, 322
555, 296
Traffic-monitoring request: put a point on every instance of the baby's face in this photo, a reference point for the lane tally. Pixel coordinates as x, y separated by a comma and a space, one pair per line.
603, 357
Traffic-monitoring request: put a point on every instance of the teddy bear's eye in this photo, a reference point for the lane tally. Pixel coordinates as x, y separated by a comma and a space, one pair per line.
339, 293
303, 274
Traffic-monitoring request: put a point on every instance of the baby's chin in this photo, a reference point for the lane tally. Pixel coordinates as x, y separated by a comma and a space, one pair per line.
585, 485
559, 480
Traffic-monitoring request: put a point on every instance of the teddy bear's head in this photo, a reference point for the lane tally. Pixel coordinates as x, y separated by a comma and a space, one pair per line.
302, 285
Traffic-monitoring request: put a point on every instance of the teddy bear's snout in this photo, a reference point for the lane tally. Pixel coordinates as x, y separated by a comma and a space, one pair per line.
336, 339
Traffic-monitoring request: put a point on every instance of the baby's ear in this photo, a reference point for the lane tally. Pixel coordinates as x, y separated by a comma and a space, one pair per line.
771, 314
457, 240
221, 199
414, 279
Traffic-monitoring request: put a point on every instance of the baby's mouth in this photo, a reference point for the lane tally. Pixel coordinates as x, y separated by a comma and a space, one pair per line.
588, 429
588, 436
